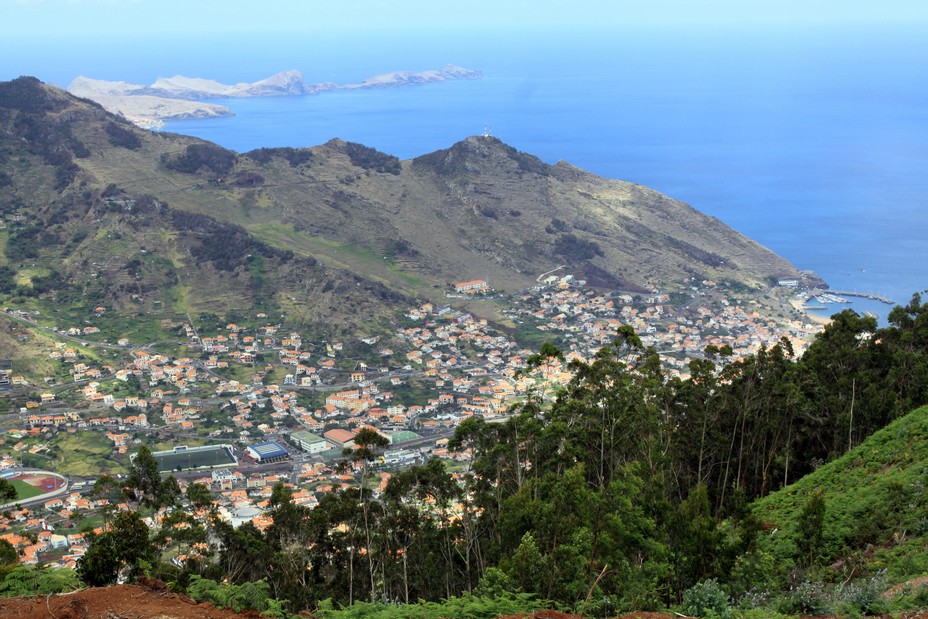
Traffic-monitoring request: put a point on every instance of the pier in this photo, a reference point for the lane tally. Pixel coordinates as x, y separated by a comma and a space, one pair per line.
863, 295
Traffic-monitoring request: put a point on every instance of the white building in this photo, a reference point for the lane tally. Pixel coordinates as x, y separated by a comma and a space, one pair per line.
309, 442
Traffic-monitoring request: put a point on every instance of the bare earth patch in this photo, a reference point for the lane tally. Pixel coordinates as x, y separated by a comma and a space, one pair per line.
118, 602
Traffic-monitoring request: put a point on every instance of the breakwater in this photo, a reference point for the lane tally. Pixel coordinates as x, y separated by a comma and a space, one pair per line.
863, 295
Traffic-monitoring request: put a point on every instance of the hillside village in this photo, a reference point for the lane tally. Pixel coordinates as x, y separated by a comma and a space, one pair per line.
263, 384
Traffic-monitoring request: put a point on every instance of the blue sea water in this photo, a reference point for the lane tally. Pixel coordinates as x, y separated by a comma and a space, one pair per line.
812, 142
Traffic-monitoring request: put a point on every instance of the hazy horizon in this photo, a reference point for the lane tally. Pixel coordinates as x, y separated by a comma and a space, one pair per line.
55, 18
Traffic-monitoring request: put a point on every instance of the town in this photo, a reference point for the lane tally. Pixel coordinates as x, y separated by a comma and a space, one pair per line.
241, 407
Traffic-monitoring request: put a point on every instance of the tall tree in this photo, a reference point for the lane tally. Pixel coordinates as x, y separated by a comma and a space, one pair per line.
366, 444
124, 549
143, 483
7, 491
810, 536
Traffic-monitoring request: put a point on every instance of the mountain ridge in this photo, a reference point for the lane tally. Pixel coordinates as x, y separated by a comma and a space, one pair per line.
479, 209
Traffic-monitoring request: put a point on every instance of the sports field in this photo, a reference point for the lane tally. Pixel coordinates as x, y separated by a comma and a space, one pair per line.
33, 483
194, 459
25, 490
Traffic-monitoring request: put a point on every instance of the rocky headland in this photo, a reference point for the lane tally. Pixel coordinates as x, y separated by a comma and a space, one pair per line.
179, 97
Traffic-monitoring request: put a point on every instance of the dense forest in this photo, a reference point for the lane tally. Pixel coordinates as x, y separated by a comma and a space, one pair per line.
625, 491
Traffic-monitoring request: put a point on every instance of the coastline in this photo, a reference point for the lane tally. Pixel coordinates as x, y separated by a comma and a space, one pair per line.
179, 97
799, 305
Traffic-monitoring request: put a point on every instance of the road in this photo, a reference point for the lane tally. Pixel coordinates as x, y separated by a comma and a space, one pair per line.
554, 270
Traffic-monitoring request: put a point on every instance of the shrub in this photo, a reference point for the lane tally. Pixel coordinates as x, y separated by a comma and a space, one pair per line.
293, 156
863, 597
199, 157
248, 178
372, 159
7, 280
246, 596
467, 606
120, 136
808, 597
911, 597
26, 94
754, 599
574, 248
707, 599
32, 580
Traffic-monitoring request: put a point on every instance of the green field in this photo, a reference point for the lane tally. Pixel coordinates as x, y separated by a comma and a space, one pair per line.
85, 455
24, 490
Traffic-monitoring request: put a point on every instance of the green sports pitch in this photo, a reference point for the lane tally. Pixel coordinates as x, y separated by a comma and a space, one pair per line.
180, 459
25, 491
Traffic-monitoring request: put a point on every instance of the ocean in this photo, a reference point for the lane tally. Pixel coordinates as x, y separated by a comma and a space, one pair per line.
812, 142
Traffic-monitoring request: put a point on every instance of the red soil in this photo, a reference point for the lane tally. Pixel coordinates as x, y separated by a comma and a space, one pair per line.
151, 600
119, 602
49, 483
542, 614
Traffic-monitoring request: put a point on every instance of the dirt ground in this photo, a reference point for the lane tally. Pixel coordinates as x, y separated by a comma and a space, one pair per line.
553, 614
153, 601
119, 602
541, 614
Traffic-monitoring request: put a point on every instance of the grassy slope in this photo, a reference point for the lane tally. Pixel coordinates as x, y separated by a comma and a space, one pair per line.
876, 502
28, 348
85, 454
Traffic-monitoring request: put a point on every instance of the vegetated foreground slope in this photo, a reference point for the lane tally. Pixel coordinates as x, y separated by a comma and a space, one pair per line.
148, 602
875, 504
103, 210
124, 601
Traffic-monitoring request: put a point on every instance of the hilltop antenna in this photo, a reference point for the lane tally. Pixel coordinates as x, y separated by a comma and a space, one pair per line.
486, 131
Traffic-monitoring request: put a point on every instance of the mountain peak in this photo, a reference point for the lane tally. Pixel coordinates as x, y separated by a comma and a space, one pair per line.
28, 94
480, 152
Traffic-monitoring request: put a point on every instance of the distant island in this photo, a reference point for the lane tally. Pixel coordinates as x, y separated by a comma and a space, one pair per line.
179, 97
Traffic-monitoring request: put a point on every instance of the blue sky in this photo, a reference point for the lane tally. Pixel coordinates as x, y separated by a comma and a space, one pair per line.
55, 18
138, 40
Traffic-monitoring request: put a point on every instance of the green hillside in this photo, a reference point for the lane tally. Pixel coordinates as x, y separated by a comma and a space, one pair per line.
876, 509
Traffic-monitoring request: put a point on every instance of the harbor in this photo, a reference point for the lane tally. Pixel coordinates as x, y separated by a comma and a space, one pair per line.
832, 297
819, 303
864, 295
